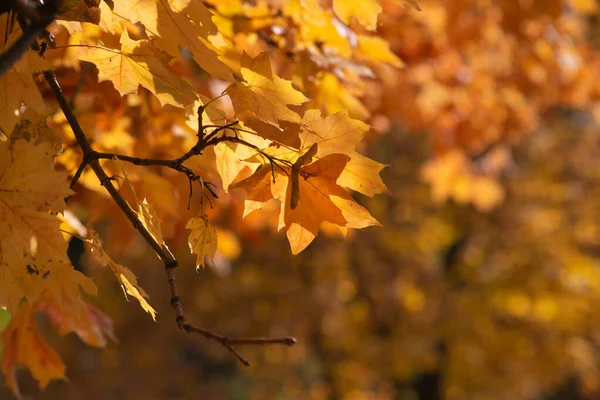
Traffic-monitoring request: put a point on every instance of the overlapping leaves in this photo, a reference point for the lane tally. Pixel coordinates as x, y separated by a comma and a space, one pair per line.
143, 49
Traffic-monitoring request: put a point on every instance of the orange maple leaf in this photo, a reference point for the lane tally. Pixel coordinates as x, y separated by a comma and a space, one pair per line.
91, 325
319, 198
316, 184
24, 345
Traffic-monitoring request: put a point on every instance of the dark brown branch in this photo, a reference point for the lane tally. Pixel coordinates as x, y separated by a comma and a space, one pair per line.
91, 158
175, 164
40, 16
78, 173
24, 43
219, 129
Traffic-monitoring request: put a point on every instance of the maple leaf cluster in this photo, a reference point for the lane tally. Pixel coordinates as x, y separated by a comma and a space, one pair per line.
254, 95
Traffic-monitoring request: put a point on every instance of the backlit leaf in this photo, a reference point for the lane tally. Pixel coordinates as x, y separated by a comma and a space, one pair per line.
138, 63
264, 93
202, 239
125, 277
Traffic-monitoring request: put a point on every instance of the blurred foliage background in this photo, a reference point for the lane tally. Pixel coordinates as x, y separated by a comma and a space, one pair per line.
484, 282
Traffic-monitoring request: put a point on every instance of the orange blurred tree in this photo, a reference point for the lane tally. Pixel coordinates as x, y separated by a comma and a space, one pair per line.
153, 108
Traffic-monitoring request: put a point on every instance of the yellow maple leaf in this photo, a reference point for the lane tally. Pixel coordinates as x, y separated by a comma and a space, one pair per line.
15, 282
17, 85
316, 25
108, 21
362, 175
202, 239
123, 274
321, 199
33, 252
375, 49
28, 178
365, 12
186, 23
24, 345
232, 158
138, 63
337, 133
334, 96
305, 193
302, 11
264, 93
150, 220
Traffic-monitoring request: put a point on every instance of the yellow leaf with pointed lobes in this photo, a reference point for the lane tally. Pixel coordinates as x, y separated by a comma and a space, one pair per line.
150, 220
138, 63
17, 86
175, 23
362, 175
263, 93
28, 178
337, 133
333, 96
232, 158
202, 239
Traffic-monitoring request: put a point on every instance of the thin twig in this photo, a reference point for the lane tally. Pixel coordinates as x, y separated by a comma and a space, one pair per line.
234, 139
78, 173
91, 158
175, 164
219, 129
